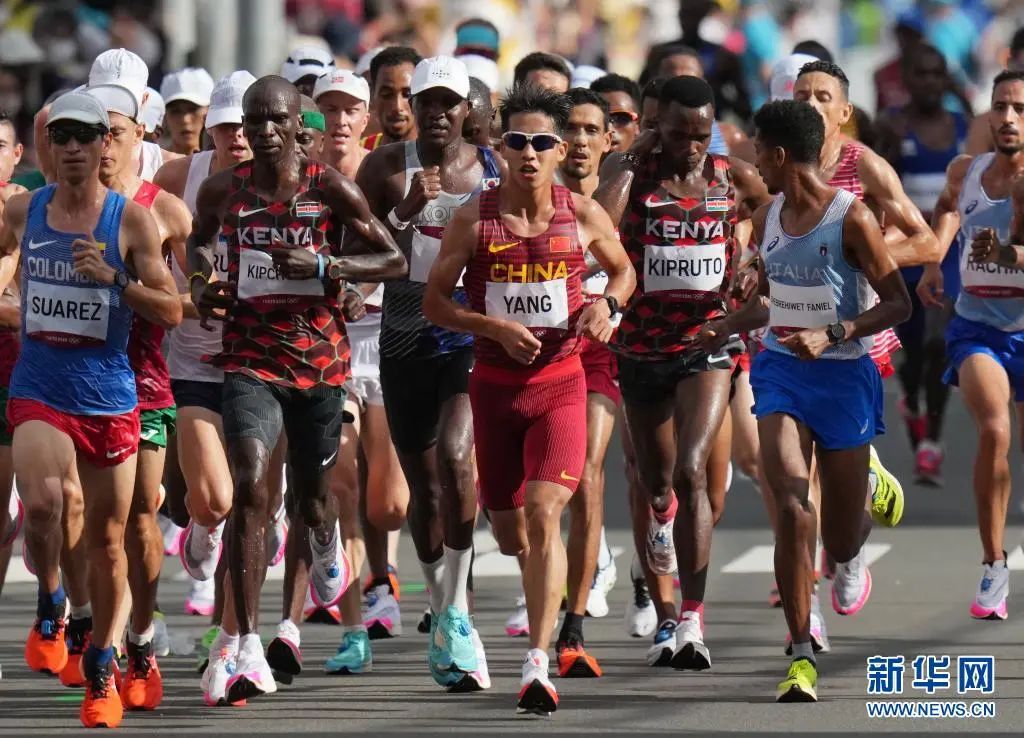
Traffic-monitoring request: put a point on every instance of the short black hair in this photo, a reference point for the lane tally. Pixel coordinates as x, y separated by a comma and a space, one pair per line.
660, 53
795, 126
527, 98
653, 89
689, 92
832, 70
814, 48
617, 83
540, 60
392, 56
1017, 42
583, 96
1007, 75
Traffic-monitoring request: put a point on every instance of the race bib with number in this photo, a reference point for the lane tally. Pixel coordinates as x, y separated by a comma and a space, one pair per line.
801, 307
62, 315
990, 280
220, 258
695, 272
260, 283
426, 245
531, 304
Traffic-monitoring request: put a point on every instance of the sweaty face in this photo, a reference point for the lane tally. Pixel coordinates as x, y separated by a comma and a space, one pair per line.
440, 115
624, 126
1007, 116
824, 93
679, 65
529, 168
124, 135
549, 79
685, 134
346, 118
391, 101
10, 152
184, 120
588, 141
768, 164
229, 138
75, 162
926, 80
271, 120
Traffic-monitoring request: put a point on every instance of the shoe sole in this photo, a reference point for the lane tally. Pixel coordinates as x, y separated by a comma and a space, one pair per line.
283, 661
364, 669
241, 689
516, 632
423, 626
795, 695
378, 631
691, 657
536, 700
858, 605
579, 669
983, 613
664, 658
467, 685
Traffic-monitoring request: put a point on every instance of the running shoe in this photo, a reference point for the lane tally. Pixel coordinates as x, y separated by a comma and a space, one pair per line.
199, 550
46, 648
396, 586
990, 601
200, 600
277, 538
886, 494
819, 636
827, 565
221, 666
142, 687
102, 705
691, 654
284, 654
425, 625
917, 425
171, 534
928, 464
441, 676
661, 550
518, 623
381, 614
252, 676
851, 586
16, 519
574, 661
161, 638
323, 615
204, 648
537, 695
800, 684
641, 617
660, 653
604, 581
329, 574
454, 642
774, 598
477, 680
353, 655
78, 636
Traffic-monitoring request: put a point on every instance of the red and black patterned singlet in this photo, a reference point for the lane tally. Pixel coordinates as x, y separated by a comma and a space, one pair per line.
682, 251
283, 331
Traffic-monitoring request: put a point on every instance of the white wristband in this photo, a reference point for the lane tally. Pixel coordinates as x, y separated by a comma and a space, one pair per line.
398, 225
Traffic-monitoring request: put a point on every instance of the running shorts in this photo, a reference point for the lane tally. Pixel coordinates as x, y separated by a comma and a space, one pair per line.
102, 440
528, 430
655, 381
966, 337
839, 400
311, 418
365, 391
207, 395
415, 389
601, 370
157, 425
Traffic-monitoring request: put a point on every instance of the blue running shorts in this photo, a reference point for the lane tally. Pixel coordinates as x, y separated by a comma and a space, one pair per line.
966, 337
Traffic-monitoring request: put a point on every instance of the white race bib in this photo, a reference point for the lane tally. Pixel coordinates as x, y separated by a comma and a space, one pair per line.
801, 307
425, 248
990, 280
698, 270
532, 304
220, 258
67, 316
259, 281
596, 284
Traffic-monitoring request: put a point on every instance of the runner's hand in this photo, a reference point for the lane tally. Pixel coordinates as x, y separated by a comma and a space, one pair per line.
89, 261
425, 186
214, 302
929, 288
985, 246
745, 284
517, 340
809, 343
712, 336
595, 323
293, 262
352, 306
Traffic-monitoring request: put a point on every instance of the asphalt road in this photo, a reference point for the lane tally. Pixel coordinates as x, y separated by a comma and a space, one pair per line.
925, 575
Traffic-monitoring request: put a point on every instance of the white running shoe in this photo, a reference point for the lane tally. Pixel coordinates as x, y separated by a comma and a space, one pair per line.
518, 623
277, 538
537, 695
381, 614
479, 679
199, 548
170, 531
851, 585
661, 549
990, 601
660, 652
604, 581
819, 636
641, 616
161, 639
200, 598
691, 654
329, 573
252, 676
219, 669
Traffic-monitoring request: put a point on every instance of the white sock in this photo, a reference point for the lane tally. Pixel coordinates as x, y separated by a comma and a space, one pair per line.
604, 554
538, 654
224, 640
434, 574
80, 612
328, 551
250, 642
216, 532
141, 639
457, 578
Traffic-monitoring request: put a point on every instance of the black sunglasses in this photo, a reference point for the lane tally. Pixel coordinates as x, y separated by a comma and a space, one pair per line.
540, 141
83, 134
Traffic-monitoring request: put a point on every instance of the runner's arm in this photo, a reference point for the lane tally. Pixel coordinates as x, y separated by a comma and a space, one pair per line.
10, 305
154, 296
370, 254
206, 226
946, 215
178, 226
172, 176
754, 313
618, 172
12, 225
600, 240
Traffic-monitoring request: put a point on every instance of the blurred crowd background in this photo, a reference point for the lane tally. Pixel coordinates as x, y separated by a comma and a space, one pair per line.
46, 45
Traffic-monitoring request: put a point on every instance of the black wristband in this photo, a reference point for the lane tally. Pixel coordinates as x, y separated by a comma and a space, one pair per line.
613, 305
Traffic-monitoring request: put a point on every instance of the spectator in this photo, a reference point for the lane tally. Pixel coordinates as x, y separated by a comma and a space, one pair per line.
477, 36
762, 48
952, 32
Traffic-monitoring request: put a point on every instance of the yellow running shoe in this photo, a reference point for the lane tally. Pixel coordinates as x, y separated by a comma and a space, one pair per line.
800, 684
887, 499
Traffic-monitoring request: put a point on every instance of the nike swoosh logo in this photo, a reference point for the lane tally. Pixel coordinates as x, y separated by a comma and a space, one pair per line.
652, 203
329, 459
245, 213
33, 245
496, 248
147, 434
564, 475
116, 452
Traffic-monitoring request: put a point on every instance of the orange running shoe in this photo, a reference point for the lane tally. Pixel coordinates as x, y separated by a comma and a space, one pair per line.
102, 704
78, 637
46, 649
143, 687
575, 662
396, 587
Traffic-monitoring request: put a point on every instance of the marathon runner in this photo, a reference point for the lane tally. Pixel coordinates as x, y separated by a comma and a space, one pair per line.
153, 111
522, 246
186, 95
72, 398
283, 217
982, 205
544, 70
623, 97
311, 137
305, 65
390, 82
677, 207
816, 389
477, 128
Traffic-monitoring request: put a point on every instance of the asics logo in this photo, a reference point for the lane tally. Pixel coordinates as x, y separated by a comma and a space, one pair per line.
497, 248
772, 245
33, 245
245, 213
970, 208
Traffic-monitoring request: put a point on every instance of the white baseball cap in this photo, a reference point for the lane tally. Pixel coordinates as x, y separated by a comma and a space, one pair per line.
343, 80
116, 99
484, 69
305, 61
784, 75
122, 68
441, 71
153, 110
78, 106
226, 99
193, 84
584, 75
363, 65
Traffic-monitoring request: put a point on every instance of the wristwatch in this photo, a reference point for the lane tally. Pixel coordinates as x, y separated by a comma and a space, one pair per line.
334, 269
121, 279
836, 332
613, 305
